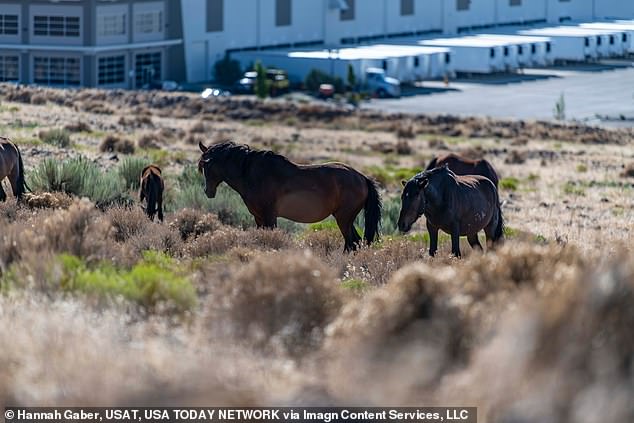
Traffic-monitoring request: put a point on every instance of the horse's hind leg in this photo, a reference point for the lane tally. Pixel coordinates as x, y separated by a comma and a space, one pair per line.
160, 207
474, 241
3, 195
349, 232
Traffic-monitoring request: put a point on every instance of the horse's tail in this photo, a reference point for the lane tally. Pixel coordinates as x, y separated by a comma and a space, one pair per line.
432, 164
22, 187
372, 212
499, 229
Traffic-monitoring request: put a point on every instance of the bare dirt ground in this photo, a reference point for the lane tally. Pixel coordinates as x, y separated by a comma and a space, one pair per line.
198, 311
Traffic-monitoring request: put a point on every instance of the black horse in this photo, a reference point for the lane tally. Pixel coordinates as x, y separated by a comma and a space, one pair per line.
12, 167
152, 188
463, 166
272, 186
459, 205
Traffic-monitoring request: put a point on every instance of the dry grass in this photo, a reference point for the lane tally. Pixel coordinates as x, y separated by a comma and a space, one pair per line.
283, 317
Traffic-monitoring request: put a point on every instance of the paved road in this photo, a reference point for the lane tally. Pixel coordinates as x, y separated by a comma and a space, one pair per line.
606, 89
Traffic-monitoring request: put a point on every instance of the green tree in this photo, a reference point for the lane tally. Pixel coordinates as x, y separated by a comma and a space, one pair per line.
227, 71
262, 84
352, 79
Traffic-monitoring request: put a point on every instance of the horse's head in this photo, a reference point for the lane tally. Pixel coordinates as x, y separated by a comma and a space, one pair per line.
210, 170
412, 202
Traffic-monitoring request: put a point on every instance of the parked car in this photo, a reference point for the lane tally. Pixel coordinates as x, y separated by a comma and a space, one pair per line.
279, 83
326, 91
381, 85
214, 92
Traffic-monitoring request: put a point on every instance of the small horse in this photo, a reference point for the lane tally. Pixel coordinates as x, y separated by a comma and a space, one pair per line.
462, 166
11, 166
459, 205
272, 186
152, 187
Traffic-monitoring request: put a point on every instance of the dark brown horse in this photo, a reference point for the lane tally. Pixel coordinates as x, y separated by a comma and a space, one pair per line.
459, 205
272, 186
152, 187
11, 167
462, 166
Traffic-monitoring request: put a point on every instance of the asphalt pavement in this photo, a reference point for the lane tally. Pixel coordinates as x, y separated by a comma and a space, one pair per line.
603, 89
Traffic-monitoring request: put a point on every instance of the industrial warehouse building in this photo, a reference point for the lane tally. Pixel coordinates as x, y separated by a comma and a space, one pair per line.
129, 43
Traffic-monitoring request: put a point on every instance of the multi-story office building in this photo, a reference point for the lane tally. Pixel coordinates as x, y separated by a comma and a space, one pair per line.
100, 43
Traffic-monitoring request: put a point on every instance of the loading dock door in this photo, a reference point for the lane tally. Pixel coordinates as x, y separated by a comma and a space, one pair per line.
199, 69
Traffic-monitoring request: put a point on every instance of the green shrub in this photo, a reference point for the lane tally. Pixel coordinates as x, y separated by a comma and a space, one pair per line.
511, 184
357, 286
572, 188
389, 216
129, 171
57, 137
227, 204
79, 177
227, 71
150, 283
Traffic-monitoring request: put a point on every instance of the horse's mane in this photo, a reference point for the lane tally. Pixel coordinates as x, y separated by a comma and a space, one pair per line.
242, 153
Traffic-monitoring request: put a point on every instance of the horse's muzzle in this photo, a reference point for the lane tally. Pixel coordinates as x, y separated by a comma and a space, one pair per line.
404, 228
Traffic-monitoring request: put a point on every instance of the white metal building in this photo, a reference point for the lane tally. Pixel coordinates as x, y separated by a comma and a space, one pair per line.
407, 63
213, 27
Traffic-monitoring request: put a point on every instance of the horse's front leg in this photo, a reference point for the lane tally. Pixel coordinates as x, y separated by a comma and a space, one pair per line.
455, 239
433, 238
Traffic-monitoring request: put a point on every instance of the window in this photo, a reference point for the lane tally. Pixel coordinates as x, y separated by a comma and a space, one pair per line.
515, 2
416, 61
111, 70
282, 12
548, 47
8, 24
348, 14
147, 68
506, 51
149, 22
599, 41
215, 15
56, 26
611, 39
624, 38
9, 68
56, 70
111, 25
492, 53
407, 7
533, 49
463, 4
384, 64
447, 58
587, 42
520, 50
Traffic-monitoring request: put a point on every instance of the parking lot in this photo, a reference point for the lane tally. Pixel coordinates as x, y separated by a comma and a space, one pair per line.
603, 89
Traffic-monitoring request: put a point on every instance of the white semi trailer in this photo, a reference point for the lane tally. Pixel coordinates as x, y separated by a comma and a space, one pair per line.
567, 44
537, 51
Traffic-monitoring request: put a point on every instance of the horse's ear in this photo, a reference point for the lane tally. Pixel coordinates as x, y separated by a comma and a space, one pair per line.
202, 147
403, 182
